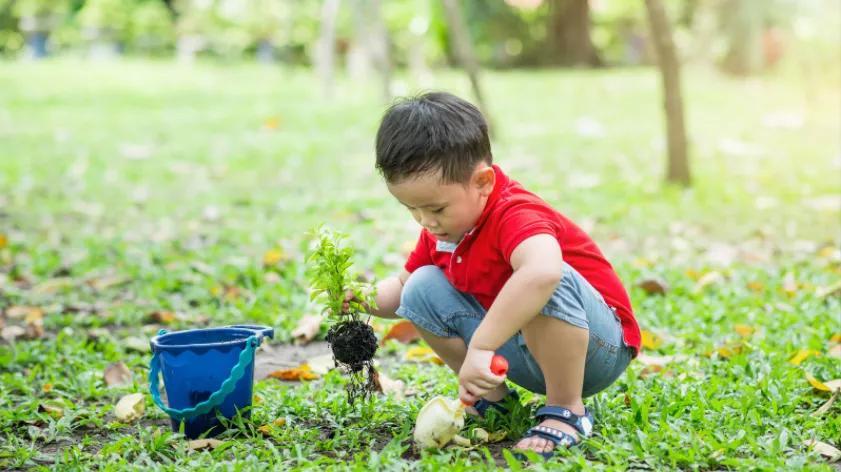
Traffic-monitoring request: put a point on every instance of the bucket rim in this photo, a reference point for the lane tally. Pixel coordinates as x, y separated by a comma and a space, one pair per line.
158, 346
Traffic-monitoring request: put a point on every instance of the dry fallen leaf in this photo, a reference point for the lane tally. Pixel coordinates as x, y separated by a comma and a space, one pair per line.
835, 351
836, 338
727, 350
271, 123
52, 408
267, 429
198, 444
743, 330
388, 386
162, 317
108, 281
710, 278
461, 441
307, 328
321, 364
26, 312
830, 452
826, 406
403, 332
802, 355
422, 354
117, 374
135, 343
829, 386
10, 333
653, 286
47, 388
302, 372
790, 285
480, 435
756, 286
833, 290
273, 257
650, 340
34, 327
130, 407
4, 241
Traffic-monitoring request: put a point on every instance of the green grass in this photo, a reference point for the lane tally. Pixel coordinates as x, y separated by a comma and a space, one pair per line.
166, 176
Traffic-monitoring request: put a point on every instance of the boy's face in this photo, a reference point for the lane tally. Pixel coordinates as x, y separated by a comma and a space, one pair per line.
448, 211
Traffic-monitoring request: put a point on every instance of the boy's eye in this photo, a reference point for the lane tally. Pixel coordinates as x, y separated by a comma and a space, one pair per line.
438, 210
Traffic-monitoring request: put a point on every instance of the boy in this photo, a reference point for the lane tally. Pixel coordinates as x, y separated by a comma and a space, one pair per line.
497, 270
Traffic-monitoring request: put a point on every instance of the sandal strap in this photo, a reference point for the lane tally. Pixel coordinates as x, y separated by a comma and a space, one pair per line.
583, 424
482, 405
558, 437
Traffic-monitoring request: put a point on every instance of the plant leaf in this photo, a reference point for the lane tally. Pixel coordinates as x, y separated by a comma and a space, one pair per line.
802, 355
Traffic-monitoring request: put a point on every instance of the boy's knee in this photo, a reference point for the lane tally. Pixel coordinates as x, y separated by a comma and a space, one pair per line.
419, 284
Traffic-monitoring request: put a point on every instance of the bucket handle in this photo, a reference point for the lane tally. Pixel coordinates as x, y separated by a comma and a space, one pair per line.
215, 399
263, 331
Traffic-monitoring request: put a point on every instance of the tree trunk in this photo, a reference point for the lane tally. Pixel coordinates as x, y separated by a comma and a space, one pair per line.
569, 34
678, 162
380, 47
464, 52
325, 48
743, 27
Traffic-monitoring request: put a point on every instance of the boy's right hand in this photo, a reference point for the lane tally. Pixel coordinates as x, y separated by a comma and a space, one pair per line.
349, 297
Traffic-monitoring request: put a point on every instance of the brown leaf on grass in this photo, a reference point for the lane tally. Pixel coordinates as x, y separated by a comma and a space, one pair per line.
650, 340
271, 123
833, 290
388, 386
790, 285
829, 386
727, 350
52, 408
653, 286
4, 240
199, 444
101, 283
835, 351
273, 257
302, 372
130, 407
10, 333
161, 316
117, 374
25, 312
268, 429
744, 330
802, 355
831, 453
706, 280
756, 286
836, 338
54, 285
34, 328
826, 406
47, 388
307, 329
403, 332
321, 364
422, 354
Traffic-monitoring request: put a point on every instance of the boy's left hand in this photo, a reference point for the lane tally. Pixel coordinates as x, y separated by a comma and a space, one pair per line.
475, 377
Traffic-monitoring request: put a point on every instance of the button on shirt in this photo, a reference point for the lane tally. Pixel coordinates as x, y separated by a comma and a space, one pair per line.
480, 263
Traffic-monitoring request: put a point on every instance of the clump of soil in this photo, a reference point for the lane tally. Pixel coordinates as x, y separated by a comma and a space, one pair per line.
354, 343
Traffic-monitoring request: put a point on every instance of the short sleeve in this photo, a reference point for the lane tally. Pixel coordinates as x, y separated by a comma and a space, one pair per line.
523, 222
421, 255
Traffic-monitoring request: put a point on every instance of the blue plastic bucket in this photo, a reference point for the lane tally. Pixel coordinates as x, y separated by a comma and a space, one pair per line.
205, 372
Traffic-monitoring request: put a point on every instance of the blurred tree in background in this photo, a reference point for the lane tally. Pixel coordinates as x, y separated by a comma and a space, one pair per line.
742, 36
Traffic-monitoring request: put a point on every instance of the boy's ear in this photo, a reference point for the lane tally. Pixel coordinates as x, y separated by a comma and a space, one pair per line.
484, 179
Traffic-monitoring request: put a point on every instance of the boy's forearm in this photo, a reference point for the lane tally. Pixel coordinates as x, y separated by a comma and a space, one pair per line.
521, 299
388, 297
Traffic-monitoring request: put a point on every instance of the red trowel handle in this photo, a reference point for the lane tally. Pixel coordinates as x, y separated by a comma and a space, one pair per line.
499, 366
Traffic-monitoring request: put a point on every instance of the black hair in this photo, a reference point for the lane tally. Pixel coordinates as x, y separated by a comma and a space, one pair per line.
430, 132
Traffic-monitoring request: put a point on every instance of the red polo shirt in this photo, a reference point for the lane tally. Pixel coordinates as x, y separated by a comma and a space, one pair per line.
481, 263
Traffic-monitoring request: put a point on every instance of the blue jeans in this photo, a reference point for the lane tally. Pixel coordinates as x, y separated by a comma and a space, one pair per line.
431, 303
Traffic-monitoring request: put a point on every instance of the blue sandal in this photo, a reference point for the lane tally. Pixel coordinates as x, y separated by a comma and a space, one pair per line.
482, 405
582, 424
